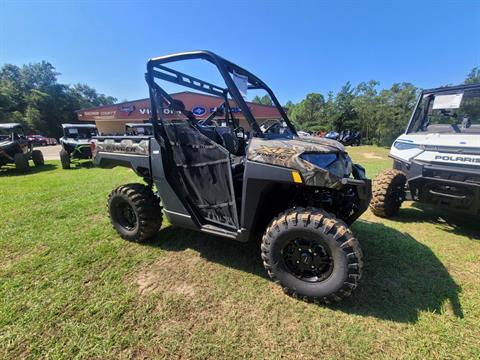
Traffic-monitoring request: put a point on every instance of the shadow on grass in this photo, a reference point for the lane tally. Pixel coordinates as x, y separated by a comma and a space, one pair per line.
444, 219
242, 256
81, 164
11, 171
402, 277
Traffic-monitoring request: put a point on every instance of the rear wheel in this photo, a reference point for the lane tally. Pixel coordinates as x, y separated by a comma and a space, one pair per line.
64, 159
388, 193
37, 158
21, 162
135, 212
312, 255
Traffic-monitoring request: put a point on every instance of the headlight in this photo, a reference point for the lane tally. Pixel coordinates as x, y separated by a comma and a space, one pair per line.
400, 145
320, 160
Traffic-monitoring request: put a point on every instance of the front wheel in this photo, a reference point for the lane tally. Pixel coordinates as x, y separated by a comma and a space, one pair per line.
135, 212
37, 158
65, 159
312, 255
21, 161
388, 193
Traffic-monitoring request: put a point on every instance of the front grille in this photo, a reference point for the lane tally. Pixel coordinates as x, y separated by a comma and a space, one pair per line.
452, 176
83, 151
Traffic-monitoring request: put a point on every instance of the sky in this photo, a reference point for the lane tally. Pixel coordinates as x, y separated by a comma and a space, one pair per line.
296, 47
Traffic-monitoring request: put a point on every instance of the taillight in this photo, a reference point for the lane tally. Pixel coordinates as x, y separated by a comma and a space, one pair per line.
93, 146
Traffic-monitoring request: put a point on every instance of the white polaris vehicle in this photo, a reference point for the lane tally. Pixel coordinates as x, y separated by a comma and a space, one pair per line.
437, 159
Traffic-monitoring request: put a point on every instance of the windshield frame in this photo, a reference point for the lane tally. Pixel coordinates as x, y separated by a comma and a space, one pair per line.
413, 125
4, 132
68, 135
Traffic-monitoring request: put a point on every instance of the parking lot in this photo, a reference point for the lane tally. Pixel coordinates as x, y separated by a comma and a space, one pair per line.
50, 152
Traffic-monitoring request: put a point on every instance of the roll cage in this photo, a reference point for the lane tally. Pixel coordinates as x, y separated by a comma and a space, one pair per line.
159, 97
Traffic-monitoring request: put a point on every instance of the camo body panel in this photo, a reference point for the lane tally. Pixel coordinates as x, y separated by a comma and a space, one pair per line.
286, 153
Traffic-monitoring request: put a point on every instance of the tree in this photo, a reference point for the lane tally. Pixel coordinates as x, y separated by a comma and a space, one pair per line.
32, 96
308, 113
346, 116
264, 100
473, 76
394, 110
365, 105
11, 91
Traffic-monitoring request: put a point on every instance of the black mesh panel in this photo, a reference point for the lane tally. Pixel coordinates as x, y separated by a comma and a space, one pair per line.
204, 167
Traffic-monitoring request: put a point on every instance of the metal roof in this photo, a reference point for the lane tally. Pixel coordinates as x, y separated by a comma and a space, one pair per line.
91, 126
10, 125
138, 124
450, 88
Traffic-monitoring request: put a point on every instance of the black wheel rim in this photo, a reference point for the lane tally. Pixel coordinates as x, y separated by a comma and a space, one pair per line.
308, 259
126, 216
397, 194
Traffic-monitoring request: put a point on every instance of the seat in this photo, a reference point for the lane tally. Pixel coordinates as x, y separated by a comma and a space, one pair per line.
209, 131
229, 139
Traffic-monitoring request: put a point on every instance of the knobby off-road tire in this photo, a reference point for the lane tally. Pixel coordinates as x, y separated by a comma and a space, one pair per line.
64, 159
135, 212
21, 162
329, 236
37, 158
388, 193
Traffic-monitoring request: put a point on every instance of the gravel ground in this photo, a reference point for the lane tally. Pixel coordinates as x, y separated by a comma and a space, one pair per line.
50, 152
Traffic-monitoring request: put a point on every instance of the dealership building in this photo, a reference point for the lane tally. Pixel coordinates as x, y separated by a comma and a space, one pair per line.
111, 119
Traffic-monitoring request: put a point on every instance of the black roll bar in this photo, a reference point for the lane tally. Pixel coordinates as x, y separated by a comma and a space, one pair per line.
155, 69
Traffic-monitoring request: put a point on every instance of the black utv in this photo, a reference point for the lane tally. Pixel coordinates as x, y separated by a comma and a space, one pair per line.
16, 149
298, 194
76, 143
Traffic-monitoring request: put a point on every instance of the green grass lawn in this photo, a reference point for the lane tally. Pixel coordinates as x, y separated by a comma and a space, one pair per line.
70, 287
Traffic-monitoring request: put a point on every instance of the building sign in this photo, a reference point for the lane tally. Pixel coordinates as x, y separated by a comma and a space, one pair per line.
200, 105
198, 110
127, 108
235, 109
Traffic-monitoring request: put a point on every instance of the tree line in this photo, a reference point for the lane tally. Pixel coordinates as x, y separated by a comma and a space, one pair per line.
380, 115
31, 95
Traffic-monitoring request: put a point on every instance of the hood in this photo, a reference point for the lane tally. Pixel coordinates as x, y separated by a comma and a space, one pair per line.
458, 149
4, 144
325, 142
462, 140
73, 141
287, 153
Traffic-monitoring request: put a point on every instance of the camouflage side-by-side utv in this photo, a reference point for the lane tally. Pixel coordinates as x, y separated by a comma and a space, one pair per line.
298, 194
16, 149
76, 143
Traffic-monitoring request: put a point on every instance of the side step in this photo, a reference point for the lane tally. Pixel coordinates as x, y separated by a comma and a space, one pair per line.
215, 230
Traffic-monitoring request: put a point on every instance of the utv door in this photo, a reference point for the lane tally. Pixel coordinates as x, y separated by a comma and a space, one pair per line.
200, 172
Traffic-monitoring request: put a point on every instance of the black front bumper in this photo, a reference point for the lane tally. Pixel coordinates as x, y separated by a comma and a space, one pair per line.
452, 187
363, 190
82, 151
